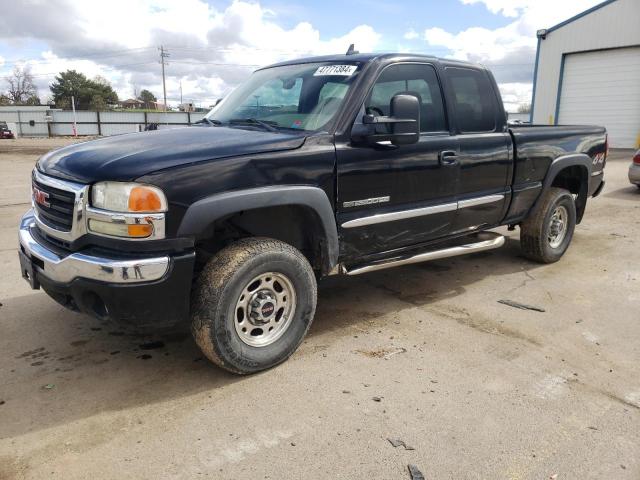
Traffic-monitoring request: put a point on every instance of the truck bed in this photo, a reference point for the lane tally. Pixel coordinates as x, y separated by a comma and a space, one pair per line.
536, 146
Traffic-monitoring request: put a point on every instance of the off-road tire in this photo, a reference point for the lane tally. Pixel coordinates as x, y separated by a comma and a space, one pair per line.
534, 230
218, 288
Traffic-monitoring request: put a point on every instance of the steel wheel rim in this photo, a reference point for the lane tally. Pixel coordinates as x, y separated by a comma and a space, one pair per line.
264, 309
558, 227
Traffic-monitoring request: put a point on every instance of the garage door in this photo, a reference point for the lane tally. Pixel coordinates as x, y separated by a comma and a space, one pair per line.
603, 88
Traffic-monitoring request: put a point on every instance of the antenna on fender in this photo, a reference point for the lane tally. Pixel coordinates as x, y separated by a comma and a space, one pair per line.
352, 50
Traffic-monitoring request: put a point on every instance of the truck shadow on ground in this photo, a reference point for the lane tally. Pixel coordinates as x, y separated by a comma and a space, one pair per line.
627, 193
66, 366
346, 300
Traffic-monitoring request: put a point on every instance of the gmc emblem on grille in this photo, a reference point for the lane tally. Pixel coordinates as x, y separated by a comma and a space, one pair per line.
41, 197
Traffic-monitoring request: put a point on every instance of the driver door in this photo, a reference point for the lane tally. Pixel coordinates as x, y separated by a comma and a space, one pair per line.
398, 196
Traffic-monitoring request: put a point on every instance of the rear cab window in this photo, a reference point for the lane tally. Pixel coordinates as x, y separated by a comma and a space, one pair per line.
473, 100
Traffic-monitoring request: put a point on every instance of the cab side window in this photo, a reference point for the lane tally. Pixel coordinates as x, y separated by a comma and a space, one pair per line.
412, 79
473, 100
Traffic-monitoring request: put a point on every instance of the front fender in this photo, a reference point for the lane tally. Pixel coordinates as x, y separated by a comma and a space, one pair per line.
203, 213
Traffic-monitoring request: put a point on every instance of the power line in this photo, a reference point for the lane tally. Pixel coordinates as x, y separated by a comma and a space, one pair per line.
122, 52
308, 51
186, 62
113, 53
164, 54
109, 67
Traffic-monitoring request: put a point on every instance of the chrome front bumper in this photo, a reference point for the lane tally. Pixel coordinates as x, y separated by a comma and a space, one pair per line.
64, 269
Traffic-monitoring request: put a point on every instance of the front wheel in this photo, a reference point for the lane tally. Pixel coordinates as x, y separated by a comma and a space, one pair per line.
546, 235
253, 304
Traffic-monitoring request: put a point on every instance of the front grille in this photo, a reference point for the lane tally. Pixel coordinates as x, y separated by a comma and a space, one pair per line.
59, 247
59, 213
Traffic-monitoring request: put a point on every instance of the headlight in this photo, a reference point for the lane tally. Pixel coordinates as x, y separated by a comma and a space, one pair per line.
128, 197
128, 210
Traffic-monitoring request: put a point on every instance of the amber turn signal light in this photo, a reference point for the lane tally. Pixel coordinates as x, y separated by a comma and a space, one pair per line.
140, 231
144, 199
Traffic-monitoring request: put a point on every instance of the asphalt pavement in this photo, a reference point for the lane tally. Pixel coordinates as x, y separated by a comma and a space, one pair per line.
425, 354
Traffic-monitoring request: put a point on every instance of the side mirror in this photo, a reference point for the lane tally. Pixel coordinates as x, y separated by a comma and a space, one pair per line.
404, 121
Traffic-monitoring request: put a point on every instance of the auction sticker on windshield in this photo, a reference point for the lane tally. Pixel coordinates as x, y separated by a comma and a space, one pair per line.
344, 70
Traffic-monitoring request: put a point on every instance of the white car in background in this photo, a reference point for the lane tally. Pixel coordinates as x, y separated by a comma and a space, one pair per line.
634, 170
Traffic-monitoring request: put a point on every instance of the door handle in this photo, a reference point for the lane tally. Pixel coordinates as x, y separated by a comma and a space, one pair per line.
448, 157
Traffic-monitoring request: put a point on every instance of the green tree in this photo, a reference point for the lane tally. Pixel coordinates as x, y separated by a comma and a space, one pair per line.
63, 103
32, 100
100, 80
87, 93
148, 98
97, 103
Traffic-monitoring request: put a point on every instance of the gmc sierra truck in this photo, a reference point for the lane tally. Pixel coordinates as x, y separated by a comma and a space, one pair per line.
340, 164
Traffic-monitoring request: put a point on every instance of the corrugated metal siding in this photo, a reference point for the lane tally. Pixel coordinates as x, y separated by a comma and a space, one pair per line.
197, 116
22, 118
168, 117
111, 123
119, 129
122, 117
9, 116
66, 128
118, 123
614, 25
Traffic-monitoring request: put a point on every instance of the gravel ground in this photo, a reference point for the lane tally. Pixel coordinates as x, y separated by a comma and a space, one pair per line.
422, 353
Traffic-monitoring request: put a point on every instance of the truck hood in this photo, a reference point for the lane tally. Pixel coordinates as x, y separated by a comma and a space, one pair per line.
127, 157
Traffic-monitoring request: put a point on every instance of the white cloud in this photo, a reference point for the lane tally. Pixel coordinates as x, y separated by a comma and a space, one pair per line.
536, 14
211, 50
515, 94
510, 50
508, 8
411, 35
549, 12
44, 72
482, 44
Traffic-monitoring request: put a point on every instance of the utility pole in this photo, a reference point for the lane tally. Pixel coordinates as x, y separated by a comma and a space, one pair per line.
180, 92
164, 54
73, 107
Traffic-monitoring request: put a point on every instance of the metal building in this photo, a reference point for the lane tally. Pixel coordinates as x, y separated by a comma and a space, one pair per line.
588, 72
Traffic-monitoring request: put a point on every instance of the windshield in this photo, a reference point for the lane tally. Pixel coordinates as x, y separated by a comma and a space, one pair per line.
301, 97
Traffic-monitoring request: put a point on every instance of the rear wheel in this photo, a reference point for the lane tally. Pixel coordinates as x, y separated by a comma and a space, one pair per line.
253, 304
546, 235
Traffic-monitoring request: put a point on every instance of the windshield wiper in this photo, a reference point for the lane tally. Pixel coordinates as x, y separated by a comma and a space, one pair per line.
215, 123
269, 126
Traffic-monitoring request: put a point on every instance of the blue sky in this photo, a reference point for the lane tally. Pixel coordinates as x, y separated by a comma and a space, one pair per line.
391, 19
214, 45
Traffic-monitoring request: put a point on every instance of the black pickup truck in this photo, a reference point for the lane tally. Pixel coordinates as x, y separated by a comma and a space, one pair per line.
340, 164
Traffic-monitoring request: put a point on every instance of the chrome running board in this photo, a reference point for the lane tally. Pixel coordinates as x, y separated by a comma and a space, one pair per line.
485, 241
